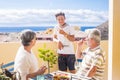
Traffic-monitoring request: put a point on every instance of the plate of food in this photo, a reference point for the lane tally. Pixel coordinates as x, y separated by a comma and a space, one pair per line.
60, 75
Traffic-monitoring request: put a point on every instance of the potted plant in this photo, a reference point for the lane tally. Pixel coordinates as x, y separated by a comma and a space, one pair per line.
47, 55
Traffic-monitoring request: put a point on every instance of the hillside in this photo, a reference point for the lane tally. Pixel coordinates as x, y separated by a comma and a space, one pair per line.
104, 30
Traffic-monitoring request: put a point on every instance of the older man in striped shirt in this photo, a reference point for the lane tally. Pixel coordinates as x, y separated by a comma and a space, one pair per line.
93, 62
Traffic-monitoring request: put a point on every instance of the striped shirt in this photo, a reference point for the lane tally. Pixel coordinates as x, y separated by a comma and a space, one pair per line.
93, 57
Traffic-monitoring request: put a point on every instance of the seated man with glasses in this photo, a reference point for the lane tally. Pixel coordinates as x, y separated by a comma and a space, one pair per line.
93, 62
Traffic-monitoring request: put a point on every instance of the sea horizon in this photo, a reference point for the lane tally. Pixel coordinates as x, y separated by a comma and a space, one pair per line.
34, 28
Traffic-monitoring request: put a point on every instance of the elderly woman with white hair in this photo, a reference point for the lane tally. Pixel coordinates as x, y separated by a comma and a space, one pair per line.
93, 58
25, 61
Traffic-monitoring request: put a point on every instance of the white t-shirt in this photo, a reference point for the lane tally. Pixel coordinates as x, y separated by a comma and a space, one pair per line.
25, 63
68, 45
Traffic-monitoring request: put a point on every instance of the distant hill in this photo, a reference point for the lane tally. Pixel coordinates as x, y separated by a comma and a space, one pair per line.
104, 30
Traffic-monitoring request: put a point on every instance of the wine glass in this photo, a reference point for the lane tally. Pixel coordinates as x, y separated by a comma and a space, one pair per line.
77, 66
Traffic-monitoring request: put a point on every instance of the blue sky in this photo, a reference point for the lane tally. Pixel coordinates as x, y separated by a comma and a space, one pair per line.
55, 4
41, 12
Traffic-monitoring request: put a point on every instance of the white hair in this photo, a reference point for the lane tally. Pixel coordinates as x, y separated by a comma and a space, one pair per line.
94, 34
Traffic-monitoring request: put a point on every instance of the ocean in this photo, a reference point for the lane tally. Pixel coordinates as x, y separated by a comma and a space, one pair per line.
83, 28
34, 28
19, 29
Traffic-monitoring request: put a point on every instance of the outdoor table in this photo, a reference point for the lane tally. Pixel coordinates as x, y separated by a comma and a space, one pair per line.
70, 75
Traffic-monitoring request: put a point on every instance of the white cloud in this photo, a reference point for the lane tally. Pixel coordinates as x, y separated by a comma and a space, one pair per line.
37, 17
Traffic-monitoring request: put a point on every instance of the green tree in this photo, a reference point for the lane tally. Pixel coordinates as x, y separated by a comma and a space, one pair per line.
47, 55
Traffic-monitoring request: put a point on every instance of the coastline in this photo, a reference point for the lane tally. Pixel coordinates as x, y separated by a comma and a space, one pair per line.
46, 35
15, 36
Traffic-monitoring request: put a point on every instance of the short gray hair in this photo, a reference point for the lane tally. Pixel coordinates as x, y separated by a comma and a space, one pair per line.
27, 36
95, 34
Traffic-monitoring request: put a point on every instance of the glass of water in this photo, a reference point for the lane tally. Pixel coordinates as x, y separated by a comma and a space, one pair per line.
77, 65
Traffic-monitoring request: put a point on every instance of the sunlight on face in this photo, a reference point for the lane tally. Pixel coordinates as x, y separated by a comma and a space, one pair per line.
89, 41
61, 20
34, 41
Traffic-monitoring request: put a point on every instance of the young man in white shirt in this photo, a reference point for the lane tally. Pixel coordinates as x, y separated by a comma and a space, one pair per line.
25, 61
64, 36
